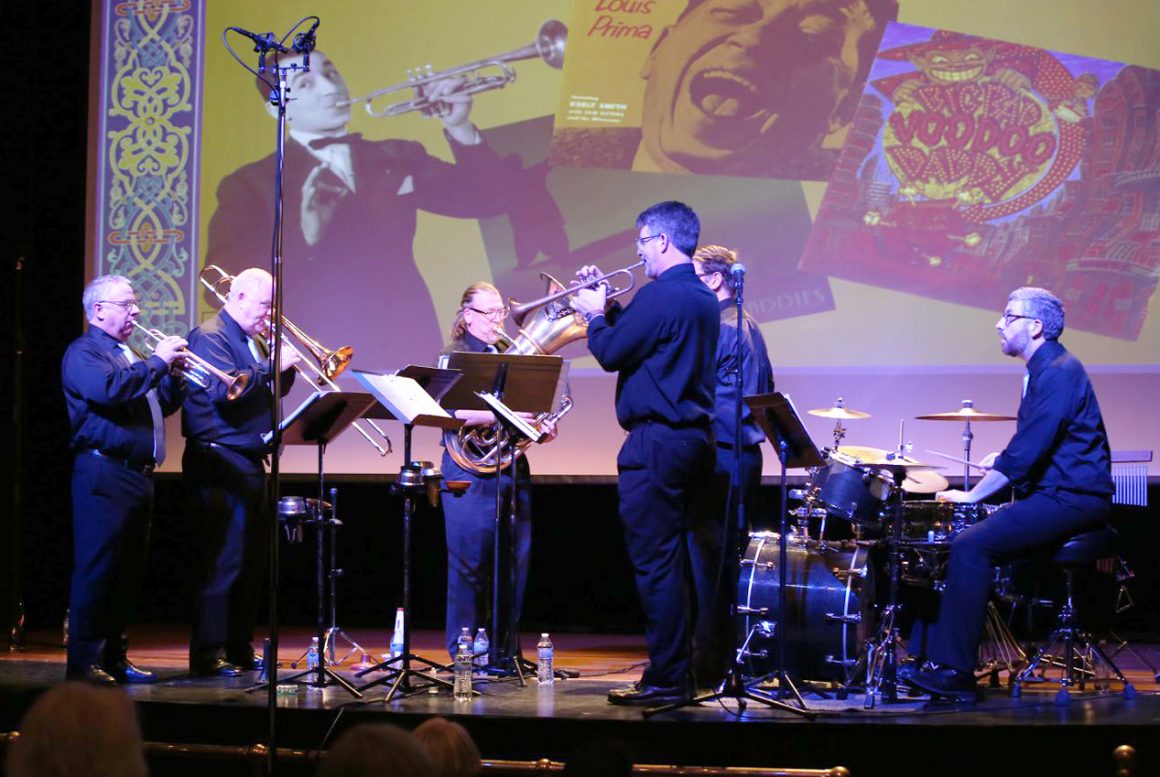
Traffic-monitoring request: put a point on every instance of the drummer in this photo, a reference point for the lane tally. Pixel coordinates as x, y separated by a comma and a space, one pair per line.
1059, 465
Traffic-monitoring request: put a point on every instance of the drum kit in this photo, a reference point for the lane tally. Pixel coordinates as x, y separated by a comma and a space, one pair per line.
844, 595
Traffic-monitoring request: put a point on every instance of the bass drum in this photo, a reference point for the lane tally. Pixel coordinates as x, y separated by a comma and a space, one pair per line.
829, 593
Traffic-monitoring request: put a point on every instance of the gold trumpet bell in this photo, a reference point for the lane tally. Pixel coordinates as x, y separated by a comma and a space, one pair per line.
546, 328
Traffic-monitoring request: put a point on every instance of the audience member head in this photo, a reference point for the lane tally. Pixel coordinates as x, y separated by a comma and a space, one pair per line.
450, 747
78, 730
376, 750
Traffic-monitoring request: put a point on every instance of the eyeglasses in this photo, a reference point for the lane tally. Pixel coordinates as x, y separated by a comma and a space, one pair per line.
499, 314
124, 304
640, 241
1010, 318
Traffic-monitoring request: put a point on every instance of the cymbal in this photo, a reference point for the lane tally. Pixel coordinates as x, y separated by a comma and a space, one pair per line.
924, 482
965, 414
839, 412
862, 453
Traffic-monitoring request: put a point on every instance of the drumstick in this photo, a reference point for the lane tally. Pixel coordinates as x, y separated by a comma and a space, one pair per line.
956, 458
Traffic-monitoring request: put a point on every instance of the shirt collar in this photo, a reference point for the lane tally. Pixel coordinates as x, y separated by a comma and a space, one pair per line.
1043, 356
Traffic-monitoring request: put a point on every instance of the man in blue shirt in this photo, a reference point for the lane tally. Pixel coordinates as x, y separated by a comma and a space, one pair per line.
225, 476
664, 347
1059, 465
116, 404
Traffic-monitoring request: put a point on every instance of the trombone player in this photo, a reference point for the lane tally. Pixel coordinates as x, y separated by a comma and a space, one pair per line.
471, 518
116, 405
225, 476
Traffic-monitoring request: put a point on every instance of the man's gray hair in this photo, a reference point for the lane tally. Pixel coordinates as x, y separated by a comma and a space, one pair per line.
98, 288
1043, 305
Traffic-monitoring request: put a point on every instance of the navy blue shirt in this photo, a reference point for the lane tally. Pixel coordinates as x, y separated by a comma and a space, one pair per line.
107, 408
757, 374
1060, 443
664, 345
209, 415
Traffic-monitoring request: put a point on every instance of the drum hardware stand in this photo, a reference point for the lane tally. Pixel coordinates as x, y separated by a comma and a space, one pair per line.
411, 397
882, 648
317, 421
335, 632
1004, 649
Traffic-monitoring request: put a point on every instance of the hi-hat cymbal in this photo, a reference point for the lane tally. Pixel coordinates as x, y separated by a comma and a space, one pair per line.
924, 482
896, 463
965, 414
839, 412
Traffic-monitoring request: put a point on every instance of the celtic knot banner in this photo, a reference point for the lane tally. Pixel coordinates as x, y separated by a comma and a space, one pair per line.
147, 154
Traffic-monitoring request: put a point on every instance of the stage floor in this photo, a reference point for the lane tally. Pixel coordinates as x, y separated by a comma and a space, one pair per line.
509, 721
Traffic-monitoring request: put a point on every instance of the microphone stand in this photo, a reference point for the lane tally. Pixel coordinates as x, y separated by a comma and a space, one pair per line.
732, 685
263, 45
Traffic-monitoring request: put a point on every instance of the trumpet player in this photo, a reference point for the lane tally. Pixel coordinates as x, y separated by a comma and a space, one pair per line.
471, 518
116, 405
225, 477
663, 345
351, 205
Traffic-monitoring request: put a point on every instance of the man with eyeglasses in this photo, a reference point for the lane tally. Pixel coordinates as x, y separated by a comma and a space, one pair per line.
1059, 465
471, 518
663, 345
738, 450
116, 405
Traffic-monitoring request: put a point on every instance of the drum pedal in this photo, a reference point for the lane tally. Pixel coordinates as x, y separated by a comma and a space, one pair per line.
744, 610
845, 575
844, 662
852, 619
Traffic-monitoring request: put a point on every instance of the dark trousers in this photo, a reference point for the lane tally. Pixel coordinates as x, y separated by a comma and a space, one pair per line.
471, 529
1033, 523
662, 471
112, 510
228, 504
715, 573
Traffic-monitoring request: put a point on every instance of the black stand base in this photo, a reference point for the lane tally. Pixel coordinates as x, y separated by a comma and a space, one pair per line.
732, 687
319, 678
399, 675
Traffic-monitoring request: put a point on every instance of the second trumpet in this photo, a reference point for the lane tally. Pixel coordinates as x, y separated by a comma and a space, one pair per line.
199, 371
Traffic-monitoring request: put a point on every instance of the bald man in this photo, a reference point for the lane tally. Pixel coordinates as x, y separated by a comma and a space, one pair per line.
225, 475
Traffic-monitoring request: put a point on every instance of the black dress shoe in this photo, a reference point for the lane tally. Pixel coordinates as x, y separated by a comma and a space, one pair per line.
214, 667
942, 681
92, 674
125, 671
641, 695
247, 662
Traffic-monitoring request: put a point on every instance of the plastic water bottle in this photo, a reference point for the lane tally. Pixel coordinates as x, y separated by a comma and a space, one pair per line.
461, 687
465, 642
312, 654
397, 635
482, 645
545, 656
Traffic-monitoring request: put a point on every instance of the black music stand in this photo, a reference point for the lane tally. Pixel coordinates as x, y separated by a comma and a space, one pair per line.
317, 421
506, 384
409, 396
778, 418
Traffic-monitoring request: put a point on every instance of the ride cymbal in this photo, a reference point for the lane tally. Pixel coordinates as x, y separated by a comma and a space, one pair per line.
965, 414
924, 482
839, 412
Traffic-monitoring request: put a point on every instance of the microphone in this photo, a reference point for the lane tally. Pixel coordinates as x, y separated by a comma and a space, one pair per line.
305, 42
262, 43
737, 270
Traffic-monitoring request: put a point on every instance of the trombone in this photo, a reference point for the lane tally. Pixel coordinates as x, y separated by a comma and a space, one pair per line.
326, 365
548, 46
199, 371
519, 312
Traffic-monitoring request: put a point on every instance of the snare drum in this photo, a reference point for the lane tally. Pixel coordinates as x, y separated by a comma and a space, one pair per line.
940, 522
847, 489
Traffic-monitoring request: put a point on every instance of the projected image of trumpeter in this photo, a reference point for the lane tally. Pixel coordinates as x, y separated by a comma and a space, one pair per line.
351, 207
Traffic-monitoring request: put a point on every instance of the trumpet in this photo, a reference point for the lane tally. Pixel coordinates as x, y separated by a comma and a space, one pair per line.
519, 311
548, 46
325, 366
199, 371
